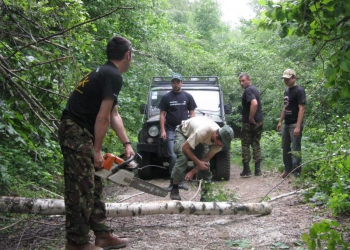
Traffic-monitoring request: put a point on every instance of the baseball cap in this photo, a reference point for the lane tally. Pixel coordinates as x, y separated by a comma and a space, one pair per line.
226, 133
176, 76
288, 73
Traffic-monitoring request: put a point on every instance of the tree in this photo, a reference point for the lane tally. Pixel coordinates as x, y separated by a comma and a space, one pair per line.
326, 24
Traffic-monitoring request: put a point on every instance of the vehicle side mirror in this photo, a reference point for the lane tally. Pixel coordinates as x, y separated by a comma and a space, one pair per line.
228, 109
143, 108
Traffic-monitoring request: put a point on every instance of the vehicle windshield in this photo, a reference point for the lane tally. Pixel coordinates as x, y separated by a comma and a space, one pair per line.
208, 101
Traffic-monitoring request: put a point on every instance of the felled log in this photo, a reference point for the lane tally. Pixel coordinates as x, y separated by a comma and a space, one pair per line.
56, 207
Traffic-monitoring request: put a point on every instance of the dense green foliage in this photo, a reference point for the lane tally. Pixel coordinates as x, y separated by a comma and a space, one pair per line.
326, 24
47, 46
324, 235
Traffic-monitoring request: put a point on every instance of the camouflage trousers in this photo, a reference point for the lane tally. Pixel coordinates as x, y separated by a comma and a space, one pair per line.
84, 208
250, 137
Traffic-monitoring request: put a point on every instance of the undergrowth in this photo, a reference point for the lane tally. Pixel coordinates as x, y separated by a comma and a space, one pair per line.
325, 173
217, 192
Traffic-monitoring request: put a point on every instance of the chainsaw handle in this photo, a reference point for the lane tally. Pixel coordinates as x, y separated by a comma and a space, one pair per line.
126, 162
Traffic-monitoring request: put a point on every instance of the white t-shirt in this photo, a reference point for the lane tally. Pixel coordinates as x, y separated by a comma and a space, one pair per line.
199, 129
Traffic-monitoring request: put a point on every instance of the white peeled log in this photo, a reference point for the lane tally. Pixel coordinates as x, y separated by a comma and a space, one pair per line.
56, 207
185, 207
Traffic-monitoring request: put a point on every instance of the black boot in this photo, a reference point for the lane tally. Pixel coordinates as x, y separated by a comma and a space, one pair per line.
257, 169
175, 194
170, 186
246, 170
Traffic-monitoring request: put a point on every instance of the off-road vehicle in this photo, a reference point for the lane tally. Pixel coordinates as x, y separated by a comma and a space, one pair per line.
208, 95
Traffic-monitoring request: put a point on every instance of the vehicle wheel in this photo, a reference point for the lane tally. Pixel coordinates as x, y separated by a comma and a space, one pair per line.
223, 168
144, 171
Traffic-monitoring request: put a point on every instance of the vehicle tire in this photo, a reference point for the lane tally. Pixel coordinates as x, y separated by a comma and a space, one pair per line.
145, 172
222, 168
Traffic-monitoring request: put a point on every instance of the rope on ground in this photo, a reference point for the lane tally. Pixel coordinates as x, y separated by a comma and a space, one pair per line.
198, 190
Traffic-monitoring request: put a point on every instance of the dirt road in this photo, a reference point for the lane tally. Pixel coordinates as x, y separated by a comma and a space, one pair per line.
280, 230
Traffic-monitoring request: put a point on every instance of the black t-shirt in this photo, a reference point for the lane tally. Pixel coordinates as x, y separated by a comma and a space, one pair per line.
84, 103
176, 106
292, 98
251, 93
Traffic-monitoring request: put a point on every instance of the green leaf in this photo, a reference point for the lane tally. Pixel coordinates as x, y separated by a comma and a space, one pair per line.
331, 244
314, 230
324, 227
305, 237
344, 66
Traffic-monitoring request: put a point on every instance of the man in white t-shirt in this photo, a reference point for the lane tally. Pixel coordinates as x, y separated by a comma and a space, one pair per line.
198, 138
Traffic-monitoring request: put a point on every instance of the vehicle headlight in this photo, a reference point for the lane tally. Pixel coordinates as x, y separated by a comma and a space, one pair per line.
153, 131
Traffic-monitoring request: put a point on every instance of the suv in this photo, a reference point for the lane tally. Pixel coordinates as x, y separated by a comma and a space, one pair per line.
208, 95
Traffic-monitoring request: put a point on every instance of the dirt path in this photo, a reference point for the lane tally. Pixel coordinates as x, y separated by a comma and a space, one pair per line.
279, 230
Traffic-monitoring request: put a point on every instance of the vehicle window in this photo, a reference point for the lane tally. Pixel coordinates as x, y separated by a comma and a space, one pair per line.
156, 96
208, 101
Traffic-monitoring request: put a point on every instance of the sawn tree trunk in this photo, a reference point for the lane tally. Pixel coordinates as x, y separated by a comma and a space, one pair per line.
56, 207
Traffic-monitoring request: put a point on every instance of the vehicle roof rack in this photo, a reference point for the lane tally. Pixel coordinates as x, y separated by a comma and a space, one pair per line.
205, 80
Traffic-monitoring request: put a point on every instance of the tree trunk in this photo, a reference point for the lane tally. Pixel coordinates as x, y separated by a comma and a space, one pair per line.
56, 207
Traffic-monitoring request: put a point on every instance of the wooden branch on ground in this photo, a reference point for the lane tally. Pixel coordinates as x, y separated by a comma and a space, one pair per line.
290, 193
290, 174
56, 207
13, 224
129, 197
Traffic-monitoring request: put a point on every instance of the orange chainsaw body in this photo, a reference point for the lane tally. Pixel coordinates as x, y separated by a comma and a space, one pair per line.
109, 159
119, 171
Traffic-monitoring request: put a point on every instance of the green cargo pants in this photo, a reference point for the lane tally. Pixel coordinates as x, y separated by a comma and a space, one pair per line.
179, 170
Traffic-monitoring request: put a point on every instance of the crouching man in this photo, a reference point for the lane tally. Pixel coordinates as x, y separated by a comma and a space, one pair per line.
198, 138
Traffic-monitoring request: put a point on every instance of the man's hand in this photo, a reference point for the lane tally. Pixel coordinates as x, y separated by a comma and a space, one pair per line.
203, 165
190, 174
163, 135
252, 121
279, 126
98, 160
296, 131
129, 151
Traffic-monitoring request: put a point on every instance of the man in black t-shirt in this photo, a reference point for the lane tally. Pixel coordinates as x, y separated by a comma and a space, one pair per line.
252, 125
175, 106
90, 110
292, 114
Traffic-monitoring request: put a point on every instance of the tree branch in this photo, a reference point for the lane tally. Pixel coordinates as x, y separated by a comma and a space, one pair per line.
68, 29
40, 64
290, 174
151, 56
29, 83
23, 95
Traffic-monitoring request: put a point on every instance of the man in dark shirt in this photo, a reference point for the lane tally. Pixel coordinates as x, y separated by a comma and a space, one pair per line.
292, 114
90, 110
175, 106
252, 125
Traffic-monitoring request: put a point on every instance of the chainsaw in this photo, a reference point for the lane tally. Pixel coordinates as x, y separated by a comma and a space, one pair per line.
120, 171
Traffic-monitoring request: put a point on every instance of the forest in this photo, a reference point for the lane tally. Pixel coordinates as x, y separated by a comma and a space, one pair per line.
47, 46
